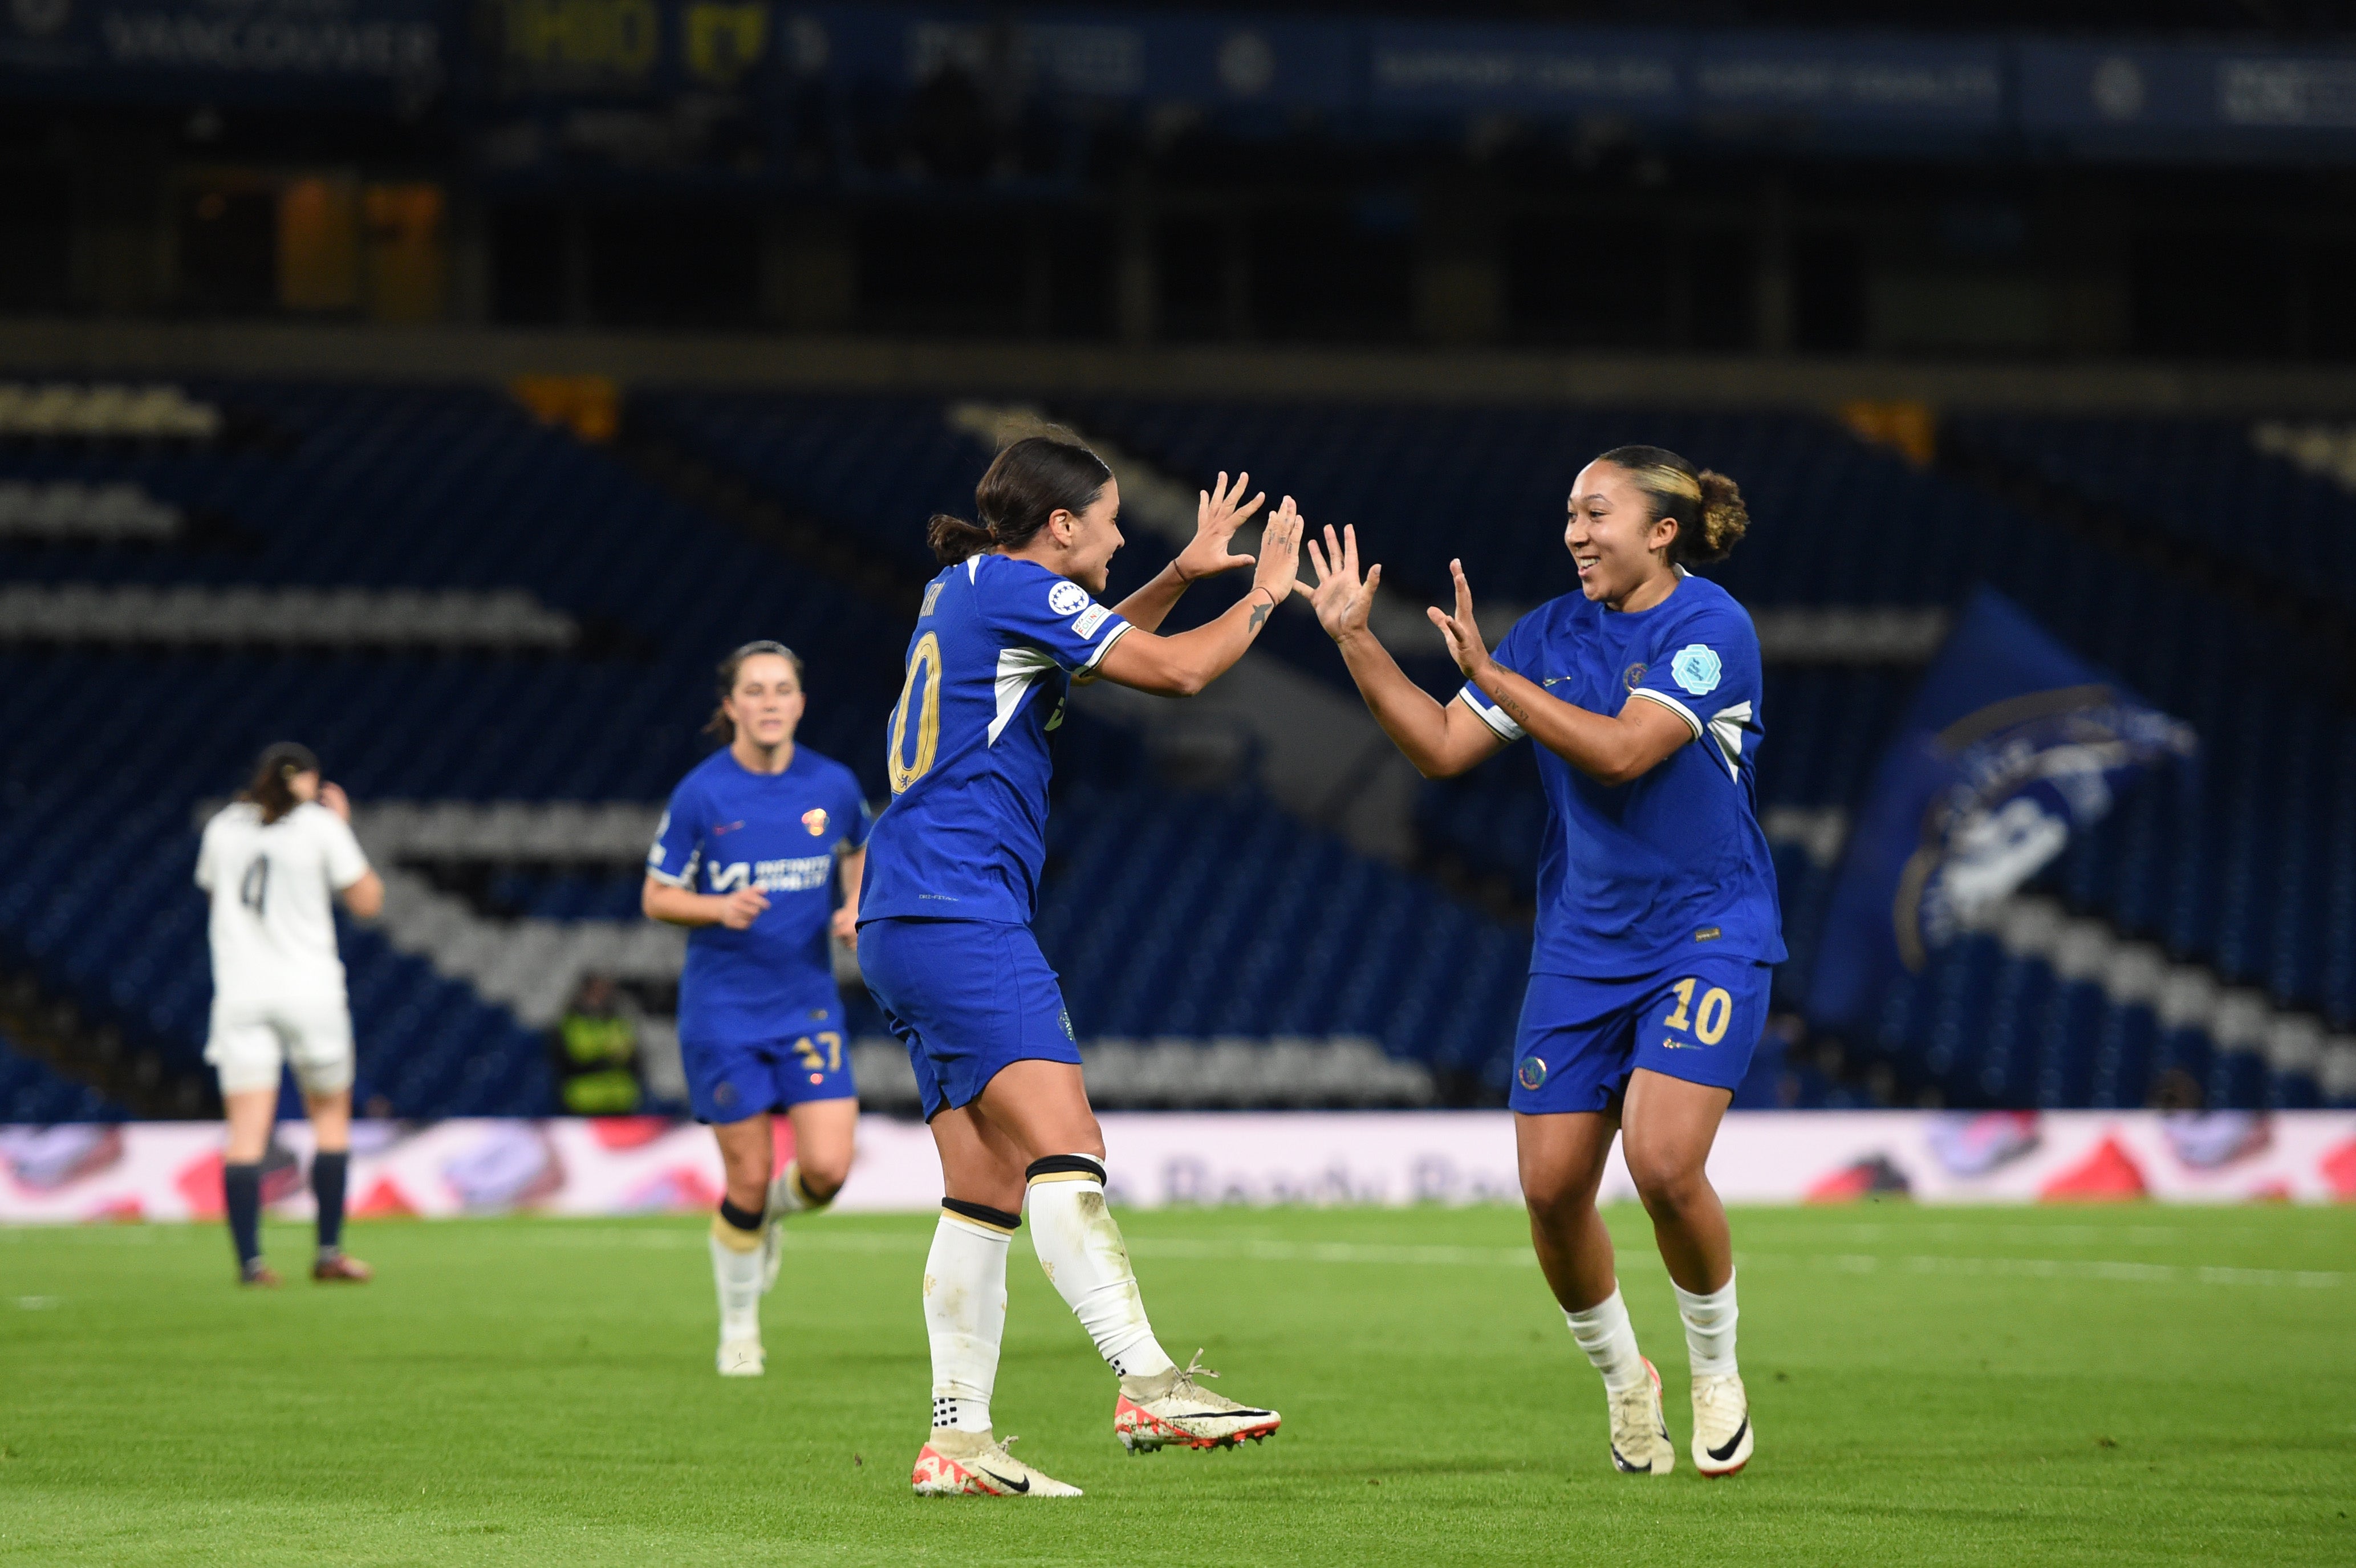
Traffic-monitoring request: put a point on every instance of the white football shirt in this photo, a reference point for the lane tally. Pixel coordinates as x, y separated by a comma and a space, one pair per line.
274, 927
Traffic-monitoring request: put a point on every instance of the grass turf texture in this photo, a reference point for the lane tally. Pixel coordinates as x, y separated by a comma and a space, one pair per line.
2124, 1385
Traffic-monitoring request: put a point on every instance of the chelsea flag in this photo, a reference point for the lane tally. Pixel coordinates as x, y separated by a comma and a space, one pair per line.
2012, 744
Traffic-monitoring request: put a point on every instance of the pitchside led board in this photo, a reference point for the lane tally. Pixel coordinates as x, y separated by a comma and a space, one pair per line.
2012, 744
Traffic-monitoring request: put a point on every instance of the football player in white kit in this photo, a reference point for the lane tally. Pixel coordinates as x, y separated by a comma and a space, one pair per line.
271, 860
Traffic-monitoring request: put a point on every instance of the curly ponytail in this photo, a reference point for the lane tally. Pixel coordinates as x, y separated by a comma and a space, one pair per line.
1030, 481
1705, 506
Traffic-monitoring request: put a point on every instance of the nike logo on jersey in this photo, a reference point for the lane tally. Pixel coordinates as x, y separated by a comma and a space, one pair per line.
727, 827
1732, 1442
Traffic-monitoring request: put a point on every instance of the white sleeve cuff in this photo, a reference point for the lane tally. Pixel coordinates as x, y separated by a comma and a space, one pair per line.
1488, 713
1113, 635
666, 878
1674, 706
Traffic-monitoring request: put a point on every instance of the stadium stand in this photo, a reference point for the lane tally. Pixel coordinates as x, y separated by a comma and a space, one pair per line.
490, 765
33, 1092
500, 637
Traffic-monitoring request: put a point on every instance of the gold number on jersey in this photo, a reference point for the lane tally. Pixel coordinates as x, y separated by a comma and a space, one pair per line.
926, 660
1708, 1029
1680, 1018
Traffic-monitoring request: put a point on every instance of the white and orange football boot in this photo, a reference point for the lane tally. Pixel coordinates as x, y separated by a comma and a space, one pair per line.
1722, 1436
1640, 1433
958, 1464
1154, 1413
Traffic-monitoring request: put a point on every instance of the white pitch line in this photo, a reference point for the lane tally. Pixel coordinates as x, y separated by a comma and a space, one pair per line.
1260, 1250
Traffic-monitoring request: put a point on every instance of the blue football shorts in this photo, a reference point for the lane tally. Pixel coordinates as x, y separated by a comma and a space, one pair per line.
728, 1080
1580, 1039
966, 998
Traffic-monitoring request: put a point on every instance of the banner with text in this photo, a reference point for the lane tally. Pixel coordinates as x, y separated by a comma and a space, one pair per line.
171, 1171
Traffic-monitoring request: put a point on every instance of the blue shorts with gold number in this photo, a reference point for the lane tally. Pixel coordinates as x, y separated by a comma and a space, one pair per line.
1580, 1039
728, 1080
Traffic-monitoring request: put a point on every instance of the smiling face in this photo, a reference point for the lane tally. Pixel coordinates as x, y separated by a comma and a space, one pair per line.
1613, 539
765, 702
1089, 537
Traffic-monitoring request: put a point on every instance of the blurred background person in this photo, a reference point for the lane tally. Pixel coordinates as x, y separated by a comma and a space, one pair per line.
746, 857
272, 860
596, 1051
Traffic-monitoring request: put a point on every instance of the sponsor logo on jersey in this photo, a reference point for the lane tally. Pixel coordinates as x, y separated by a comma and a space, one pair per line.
1697, 669
1067, 598
1633, 677
1532, 1072
1708, 934
815, 821
1090, 618
799, 874
1063, 1016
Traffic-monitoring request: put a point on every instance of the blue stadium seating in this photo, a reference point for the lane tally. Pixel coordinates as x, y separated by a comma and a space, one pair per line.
32, 1092
1169, 914
2203, 481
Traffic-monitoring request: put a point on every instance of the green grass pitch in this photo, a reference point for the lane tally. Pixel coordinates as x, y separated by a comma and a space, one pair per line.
1931, 1386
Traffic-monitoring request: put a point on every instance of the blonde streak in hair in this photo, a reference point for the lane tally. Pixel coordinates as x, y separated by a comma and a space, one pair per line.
1674, 481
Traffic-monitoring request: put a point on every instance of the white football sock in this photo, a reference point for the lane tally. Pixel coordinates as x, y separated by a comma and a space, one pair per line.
788, 1196
1081, 1248
736, 1270
965, 1312
1709, 1329
1604, 1332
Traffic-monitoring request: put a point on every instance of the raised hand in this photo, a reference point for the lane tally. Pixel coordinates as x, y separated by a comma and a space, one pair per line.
332, 796
1343, 602
1279, 555
1465, 643
1218, 513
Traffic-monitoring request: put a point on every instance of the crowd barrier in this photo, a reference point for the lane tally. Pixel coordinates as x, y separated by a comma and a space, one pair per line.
171, 1171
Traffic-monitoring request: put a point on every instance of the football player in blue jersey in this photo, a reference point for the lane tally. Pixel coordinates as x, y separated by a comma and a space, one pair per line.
746, 856
1658, 923
945, 944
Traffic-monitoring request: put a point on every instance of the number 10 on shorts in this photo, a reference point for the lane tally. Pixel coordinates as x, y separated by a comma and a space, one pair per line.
1708, 1023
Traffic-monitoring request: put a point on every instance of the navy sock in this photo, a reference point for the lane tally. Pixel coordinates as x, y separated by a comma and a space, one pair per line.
241, 1193
328, 1187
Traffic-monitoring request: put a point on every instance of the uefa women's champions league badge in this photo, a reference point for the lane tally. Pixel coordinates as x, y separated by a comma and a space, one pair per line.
2029, 772
1697, 669
1067, 598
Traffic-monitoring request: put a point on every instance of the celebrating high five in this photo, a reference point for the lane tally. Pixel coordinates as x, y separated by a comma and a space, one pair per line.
1657, 918
944, 927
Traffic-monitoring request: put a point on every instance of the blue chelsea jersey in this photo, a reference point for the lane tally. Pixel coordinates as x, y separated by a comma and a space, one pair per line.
990, 663
729, 828
1635, 876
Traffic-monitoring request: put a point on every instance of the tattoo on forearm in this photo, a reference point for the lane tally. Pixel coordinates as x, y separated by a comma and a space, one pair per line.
1259, 615
1521, 716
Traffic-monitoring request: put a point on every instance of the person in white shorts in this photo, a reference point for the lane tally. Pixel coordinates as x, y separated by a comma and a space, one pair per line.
271, 859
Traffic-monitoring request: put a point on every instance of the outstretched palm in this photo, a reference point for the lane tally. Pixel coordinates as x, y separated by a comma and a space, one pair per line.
1465, 643
1221, 510
1341, 599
